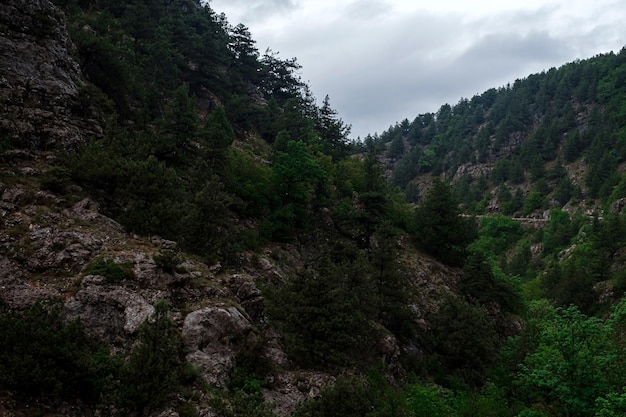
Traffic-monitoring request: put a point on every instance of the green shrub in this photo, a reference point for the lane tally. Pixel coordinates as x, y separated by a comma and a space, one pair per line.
107, 268
429, 401
43, 357
356, 396
168, 261
534, 201
155, 369
56, 179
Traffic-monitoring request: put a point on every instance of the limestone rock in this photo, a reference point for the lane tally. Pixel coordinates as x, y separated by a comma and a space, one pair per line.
112, 313
87, 210
618, 206
15, 291
148, 274
214, 336
248, 295
38, 78
167, 413
60, 249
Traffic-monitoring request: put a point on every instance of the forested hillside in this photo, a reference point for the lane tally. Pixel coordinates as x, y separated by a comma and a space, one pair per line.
188, 231
559, 133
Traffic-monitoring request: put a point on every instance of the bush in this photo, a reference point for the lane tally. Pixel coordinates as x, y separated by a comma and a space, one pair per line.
534, 201
155, 369
429, 401
167, 261
110, 270
43, 357
356, 396
56, 179
244, 397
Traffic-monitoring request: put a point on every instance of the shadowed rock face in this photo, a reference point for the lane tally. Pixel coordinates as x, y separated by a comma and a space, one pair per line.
39, 81
214, 336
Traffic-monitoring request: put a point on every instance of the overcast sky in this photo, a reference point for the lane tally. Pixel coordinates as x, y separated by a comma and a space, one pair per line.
381, 61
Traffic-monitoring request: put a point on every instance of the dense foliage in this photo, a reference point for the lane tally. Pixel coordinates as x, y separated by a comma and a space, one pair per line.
534, 131
46, 358
166, 162
223, 149
346, 299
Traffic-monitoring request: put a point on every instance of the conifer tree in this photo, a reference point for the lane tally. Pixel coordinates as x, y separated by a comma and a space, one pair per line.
442, 232
153, 371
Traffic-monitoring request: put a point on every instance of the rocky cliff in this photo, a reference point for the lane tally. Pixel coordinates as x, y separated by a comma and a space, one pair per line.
40, 83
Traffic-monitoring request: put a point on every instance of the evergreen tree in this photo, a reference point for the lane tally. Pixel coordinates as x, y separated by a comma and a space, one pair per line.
217, 135
279, 80
324, 311
154, 370
179, 125
245, 55
463, 341
442, 231
396, 147
332, 131
393, 286
480, 286
372, 201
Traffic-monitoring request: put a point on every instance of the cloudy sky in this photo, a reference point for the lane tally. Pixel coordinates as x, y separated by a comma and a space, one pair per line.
381, 61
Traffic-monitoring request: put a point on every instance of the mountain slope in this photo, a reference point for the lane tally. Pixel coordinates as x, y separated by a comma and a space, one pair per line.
227, 250
168, 196
559, 132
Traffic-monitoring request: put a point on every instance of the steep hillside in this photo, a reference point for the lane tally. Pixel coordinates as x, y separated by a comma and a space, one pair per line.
559, 133
185, 231
164, 190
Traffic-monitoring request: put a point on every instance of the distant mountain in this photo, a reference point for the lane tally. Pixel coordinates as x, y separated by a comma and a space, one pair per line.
560, 133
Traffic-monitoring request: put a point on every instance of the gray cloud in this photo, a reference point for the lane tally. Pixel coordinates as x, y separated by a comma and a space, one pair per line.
252, 11
366, 10
379, 66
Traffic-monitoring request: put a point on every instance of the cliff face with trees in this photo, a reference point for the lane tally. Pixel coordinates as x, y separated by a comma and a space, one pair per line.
187, 231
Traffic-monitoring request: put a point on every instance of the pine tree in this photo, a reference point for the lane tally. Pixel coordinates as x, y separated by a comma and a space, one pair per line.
153, 371
332, 130
442, 232
324, 311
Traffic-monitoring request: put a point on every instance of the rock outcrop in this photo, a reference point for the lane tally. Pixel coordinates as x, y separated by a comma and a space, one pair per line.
111, 313
215, 335
40, 83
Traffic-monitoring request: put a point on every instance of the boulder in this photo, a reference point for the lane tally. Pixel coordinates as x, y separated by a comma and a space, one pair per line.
248, 295
112, 313
215, 335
